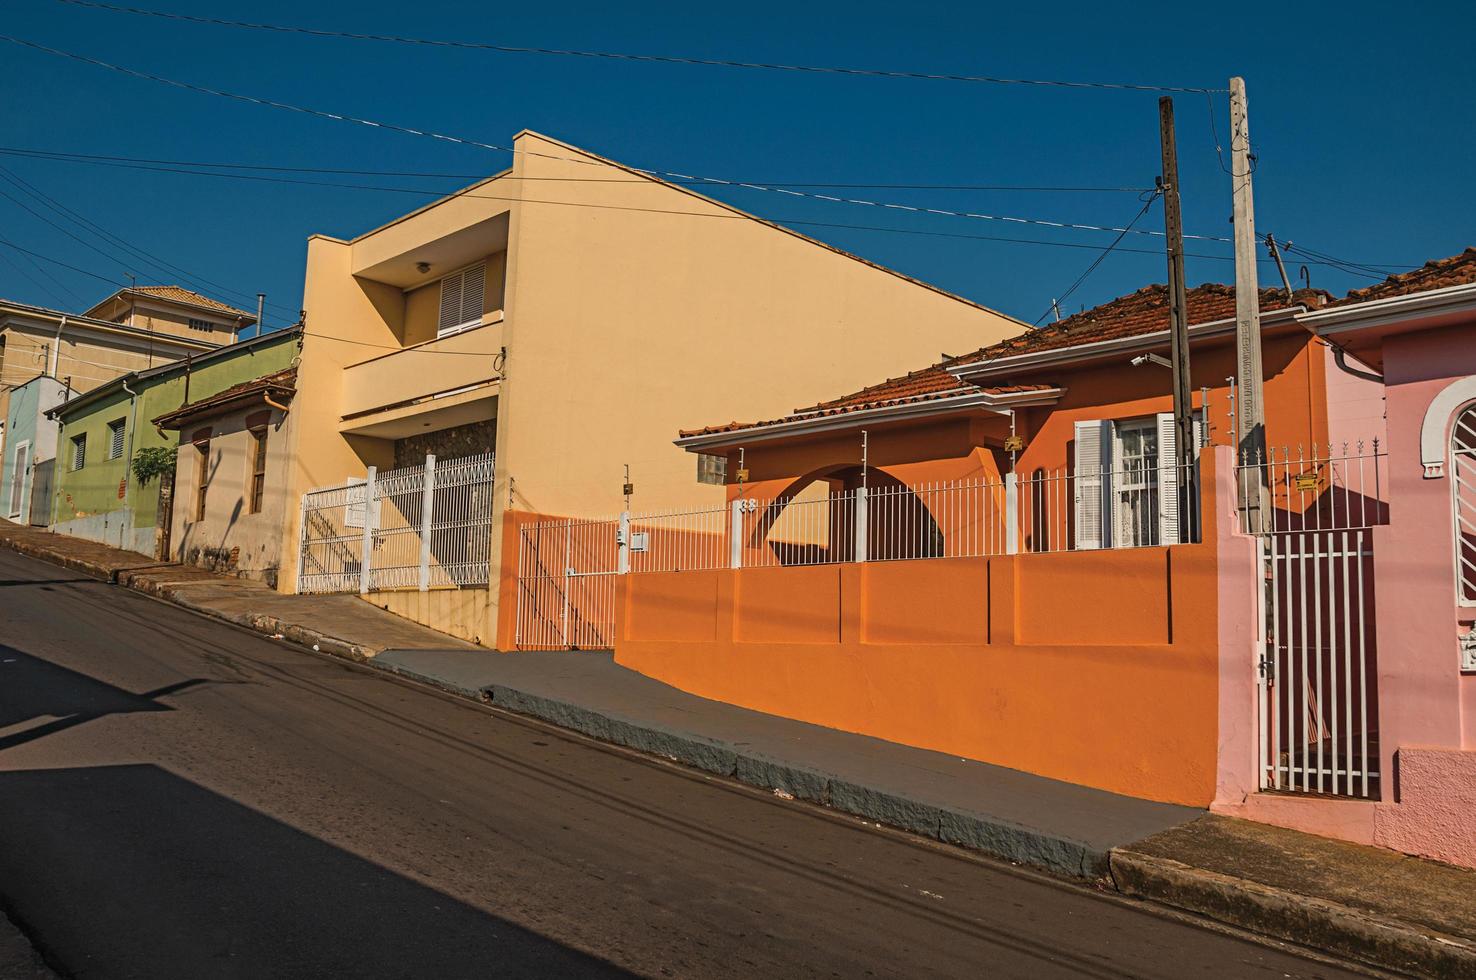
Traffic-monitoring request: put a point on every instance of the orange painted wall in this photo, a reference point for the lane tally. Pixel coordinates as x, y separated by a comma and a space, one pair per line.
1096, 668
954, 447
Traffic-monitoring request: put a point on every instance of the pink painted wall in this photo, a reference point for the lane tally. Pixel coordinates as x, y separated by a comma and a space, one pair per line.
1427, 707
1355, 408
1424, 699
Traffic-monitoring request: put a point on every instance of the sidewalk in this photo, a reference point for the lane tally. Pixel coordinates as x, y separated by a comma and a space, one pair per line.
343, 625
1363, 903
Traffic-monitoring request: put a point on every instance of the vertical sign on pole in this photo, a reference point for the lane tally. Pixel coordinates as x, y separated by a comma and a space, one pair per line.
1250, 399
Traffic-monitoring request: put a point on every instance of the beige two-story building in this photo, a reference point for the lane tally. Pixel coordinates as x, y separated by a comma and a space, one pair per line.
569, 315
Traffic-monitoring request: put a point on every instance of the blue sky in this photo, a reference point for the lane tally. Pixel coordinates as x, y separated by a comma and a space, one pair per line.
1361, 121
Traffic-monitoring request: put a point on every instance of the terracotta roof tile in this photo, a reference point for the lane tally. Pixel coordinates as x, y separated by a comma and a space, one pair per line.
284, 380
1457, 270
182, 295
929, 384
1144, 311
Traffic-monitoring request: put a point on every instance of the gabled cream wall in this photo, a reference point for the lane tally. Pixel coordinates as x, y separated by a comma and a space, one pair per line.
645, 309
348, 320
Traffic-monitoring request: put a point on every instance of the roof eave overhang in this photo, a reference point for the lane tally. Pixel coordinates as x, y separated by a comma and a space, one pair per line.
181, 417
978, 371
1392, 311
819, 424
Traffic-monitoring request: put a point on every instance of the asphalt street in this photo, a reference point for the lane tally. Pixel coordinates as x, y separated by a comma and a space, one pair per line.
179, 798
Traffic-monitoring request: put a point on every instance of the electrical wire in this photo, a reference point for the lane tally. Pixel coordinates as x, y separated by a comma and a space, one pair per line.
1369, 269
91, 157
167, 268
715, 181
37, 282
1098, 260
782, 222
609, 55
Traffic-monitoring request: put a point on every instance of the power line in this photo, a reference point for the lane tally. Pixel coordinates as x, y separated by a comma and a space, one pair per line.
91, 157
1098, 260
161, 265
716, 181
64, 265
1353, 268
615, 56
37, 282
787, 222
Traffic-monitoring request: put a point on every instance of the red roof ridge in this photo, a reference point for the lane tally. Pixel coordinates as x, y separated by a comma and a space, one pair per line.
1453, 270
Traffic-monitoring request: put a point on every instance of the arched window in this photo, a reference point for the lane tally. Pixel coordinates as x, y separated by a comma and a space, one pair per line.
1463, 489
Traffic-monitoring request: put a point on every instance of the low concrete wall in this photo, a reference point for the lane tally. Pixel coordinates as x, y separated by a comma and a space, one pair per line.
1100, 668
114, 529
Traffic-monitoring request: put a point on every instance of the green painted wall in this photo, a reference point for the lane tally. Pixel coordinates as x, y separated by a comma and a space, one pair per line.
94, 489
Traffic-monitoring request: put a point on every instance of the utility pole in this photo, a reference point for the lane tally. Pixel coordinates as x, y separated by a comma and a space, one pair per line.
1250, 397
1173, 223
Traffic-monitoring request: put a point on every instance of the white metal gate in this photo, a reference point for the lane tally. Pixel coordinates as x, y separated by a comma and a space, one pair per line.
1318, 712
414, 527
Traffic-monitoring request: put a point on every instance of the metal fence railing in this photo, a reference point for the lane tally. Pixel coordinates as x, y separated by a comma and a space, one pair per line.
422, 527
566, 568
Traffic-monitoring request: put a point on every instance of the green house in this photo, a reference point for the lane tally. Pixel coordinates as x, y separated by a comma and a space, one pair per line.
96, 495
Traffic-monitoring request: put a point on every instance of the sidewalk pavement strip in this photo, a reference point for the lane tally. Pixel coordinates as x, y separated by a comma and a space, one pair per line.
1363, 903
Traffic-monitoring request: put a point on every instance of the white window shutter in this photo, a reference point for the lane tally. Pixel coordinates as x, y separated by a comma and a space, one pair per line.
1168, 480
450, 318
1093, 484
473, 294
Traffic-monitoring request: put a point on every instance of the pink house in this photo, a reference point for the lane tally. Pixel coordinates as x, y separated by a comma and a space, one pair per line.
1418, 330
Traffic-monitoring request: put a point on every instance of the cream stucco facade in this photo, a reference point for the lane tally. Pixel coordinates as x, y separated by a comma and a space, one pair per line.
616, 308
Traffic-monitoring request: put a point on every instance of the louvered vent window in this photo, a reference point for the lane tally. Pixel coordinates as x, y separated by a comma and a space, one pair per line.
116, 432
462, 298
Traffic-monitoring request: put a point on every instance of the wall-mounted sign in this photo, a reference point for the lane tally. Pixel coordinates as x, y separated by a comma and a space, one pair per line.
1306, 482
1013, 444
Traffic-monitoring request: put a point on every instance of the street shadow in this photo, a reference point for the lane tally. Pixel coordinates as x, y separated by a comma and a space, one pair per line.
34, 688
11, 583
131, 870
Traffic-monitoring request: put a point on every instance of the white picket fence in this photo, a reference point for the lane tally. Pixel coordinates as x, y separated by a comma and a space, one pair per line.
423, 527
566, 568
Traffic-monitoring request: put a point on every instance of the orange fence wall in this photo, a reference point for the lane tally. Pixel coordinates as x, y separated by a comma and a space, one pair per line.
1098, 668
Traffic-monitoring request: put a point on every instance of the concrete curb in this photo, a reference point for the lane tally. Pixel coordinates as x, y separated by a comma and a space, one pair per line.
1318, 923
980, 832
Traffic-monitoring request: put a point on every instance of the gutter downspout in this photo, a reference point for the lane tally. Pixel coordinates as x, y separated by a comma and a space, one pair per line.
128, 456
56, 347
1340, 359
267, 397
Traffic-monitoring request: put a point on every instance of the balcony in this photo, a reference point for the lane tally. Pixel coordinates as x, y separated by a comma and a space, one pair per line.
443, 382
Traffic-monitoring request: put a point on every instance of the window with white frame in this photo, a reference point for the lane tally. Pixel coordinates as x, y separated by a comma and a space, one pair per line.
463, 294
117, 430
1127, 482
79, 451
1463, 487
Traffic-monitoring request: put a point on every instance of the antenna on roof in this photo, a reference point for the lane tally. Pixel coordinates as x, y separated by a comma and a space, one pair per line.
1056, 309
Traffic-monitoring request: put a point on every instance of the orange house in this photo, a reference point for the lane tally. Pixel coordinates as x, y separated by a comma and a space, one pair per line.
1053, 389
1083, 578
